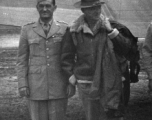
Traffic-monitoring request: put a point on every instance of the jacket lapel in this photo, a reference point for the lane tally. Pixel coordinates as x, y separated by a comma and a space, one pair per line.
54, 29
38, 29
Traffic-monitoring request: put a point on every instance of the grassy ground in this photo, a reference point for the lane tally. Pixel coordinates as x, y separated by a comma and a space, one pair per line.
13, 107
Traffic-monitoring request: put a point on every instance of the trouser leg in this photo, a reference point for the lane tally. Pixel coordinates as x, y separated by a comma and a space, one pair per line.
94, 110
48, 109
38, 109
57, 109
92, 107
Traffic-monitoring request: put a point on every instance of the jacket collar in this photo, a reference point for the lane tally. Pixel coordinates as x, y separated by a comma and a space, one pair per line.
55, 27
80, 24
39, 30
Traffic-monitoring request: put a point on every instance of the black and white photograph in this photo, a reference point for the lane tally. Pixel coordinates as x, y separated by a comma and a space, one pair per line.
75, 59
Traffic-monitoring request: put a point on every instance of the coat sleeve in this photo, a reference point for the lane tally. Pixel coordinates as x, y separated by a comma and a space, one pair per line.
147, 52
68, 53
125, 44
22, 59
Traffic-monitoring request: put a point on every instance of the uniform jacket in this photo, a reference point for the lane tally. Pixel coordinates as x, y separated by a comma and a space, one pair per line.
38, 64
147, 52
93, 57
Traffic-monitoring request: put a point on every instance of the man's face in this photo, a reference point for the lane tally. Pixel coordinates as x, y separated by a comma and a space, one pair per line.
46, 9
92, 12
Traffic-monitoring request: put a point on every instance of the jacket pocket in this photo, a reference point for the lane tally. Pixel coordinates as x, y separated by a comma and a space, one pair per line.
34, 69
57, 45
34, 47
84, 88
57, 39
34, 76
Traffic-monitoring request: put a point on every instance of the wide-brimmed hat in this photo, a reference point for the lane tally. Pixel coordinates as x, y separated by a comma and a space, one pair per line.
88, 3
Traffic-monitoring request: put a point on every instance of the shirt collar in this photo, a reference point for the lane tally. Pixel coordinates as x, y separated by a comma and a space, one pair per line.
42, 23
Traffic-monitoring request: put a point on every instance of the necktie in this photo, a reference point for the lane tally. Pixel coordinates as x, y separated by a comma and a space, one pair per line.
46, 28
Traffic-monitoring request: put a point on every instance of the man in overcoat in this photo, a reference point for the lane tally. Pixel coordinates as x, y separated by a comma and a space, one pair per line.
93, 57
40, 77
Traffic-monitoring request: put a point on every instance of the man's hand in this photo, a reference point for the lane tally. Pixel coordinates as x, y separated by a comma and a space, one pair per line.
72, 80
150, 86
108, 25
71, 90
24, 92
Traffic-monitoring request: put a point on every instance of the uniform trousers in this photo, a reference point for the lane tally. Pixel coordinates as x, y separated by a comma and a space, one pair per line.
92, 107
54, 109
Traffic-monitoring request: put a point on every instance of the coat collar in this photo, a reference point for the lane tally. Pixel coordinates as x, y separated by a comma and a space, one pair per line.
39, 30
80, 24
55, 27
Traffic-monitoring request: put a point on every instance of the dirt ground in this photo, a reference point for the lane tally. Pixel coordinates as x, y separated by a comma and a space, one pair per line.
12, 107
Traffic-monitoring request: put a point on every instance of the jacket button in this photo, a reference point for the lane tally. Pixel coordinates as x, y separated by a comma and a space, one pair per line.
48, 64
47, 48
47, 56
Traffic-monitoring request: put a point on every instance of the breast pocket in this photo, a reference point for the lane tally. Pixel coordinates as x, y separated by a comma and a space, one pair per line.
57, 44
34, 47
57, 40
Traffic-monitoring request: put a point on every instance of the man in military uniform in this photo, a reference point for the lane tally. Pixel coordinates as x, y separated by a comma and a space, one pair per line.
40, 76
93, 53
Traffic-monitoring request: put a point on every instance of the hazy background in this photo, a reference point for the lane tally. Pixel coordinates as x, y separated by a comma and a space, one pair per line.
136, 14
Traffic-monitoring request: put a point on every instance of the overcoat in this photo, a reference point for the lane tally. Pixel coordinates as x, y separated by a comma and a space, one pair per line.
38, 64
99, 58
